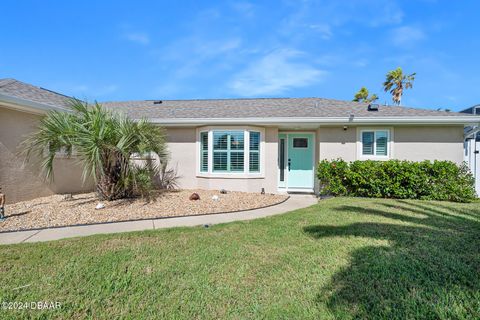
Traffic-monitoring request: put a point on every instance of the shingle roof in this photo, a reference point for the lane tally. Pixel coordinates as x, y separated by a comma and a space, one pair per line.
263, 108
22, 90
226, 108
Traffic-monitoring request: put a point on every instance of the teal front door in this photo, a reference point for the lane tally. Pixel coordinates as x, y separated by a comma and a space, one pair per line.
299, 161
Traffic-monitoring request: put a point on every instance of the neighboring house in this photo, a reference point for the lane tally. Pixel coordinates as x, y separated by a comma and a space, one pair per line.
472, 146
475, 110
274, 144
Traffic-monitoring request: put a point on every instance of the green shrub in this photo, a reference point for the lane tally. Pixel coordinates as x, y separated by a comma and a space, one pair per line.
437, 180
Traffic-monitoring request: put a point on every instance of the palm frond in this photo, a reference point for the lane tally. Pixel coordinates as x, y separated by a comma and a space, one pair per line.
103, 141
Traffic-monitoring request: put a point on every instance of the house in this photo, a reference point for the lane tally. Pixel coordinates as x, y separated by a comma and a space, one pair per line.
475, 110
472, 146
243, 144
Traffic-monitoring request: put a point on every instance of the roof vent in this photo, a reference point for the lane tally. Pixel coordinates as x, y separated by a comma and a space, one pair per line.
373, 107
157, 101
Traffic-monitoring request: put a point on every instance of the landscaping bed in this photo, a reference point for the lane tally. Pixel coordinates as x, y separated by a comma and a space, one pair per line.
55, 211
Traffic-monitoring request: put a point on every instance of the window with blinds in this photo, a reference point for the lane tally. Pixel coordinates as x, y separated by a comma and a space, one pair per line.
375, 143
367, 142
228, 151
254, 164
204, 152
381, 143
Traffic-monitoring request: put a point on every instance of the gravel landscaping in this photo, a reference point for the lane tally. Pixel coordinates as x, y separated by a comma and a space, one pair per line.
54, 211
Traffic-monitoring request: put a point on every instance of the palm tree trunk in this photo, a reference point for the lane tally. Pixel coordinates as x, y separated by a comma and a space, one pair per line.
110, 185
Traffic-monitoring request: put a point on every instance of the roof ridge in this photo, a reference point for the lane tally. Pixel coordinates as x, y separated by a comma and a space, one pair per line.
7, 81
235, 99
60, 94
215, 99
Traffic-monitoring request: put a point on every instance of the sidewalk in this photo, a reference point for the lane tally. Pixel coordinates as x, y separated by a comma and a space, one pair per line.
293, 203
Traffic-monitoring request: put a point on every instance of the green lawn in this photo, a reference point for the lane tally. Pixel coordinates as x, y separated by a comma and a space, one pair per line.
343, 258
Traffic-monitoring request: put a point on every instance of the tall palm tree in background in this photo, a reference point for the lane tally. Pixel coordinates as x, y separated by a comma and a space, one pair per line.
396, 82
363, 96
104, 142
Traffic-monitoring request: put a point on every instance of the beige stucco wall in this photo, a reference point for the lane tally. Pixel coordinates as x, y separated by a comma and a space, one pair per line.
182, 147
429, 143
334, 142
23, 182
414, 143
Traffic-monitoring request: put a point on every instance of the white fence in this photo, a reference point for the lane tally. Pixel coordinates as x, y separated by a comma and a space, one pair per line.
472, 158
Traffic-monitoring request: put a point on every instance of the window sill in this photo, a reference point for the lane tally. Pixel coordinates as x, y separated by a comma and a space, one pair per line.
230, 175
377, 158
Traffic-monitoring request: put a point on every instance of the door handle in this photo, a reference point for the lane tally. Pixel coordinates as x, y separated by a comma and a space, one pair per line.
289, 163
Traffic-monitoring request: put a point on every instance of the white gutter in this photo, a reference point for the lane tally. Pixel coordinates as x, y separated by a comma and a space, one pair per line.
27, 105
323, 120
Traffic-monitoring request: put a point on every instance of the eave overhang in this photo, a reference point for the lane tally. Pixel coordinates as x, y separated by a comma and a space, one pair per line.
450, 120
28, 105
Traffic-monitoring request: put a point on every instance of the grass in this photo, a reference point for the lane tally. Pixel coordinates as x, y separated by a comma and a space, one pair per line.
343, 258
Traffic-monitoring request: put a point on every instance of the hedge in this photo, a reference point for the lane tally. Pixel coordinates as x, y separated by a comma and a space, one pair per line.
437, 180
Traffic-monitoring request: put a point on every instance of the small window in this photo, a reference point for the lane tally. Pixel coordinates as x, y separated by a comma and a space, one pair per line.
254, 162
204, 151
282, 160
375, 143
367, 143
300, 142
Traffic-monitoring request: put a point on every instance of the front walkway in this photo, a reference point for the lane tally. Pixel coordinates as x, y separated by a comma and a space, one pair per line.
293, 203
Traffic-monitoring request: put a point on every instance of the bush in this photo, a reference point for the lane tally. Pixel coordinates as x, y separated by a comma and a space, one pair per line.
438, 180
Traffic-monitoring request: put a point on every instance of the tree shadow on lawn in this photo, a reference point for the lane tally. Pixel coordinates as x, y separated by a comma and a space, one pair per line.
430, 269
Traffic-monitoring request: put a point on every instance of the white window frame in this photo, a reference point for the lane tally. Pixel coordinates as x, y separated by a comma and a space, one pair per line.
390, 143
246, 164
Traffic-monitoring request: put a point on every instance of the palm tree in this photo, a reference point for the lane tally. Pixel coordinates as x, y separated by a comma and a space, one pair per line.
362, 96
104, 142
396, 81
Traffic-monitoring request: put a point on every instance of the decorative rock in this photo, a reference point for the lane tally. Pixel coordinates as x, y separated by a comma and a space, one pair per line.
215, 198
67, 197
100, 206
194, 196
81, 210
223, 191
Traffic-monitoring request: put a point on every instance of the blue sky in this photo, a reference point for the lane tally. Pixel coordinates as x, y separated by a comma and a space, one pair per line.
127, 50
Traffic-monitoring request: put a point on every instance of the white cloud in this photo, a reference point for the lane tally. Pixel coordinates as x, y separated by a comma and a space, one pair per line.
275, 73
137, 37
211, 48
324, 30
406, 36
246, 9
190, 55
383, 13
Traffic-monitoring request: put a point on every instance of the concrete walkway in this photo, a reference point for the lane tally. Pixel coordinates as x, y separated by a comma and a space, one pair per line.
293, 203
